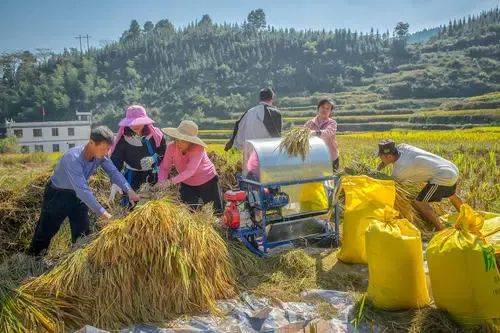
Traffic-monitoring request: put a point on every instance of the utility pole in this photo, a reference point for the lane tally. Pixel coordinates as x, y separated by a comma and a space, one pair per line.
87, 38
80, 38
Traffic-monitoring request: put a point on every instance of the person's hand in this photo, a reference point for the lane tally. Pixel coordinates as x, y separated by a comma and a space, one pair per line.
106, 216
114, 190
133, 197
313, 133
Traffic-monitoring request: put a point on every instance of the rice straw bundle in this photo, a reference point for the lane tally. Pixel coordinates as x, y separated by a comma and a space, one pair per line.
295, 142
158, 261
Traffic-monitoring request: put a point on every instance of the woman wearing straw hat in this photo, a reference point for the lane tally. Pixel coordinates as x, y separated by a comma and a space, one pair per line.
137, 150
196, 173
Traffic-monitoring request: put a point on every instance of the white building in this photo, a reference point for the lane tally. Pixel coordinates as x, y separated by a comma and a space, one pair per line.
51, 136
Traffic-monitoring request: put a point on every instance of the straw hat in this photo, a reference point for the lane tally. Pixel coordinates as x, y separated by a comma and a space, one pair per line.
187, 131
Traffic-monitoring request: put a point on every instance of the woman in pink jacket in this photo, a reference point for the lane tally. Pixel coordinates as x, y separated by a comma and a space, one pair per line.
326, 128
196, 173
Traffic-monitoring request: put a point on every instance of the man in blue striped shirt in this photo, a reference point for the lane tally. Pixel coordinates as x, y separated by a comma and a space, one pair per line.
67, 194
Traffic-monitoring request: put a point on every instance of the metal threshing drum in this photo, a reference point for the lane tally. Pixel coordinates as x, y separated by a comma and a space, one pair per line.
264, 162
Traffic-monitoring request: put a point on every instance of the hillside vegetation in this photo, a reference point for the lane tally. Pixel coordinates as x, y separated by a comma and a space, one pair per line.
209, 72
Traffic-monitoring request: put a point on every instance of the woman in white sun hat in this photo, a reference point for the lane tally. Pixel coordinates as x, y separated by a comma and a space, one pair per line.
196, 173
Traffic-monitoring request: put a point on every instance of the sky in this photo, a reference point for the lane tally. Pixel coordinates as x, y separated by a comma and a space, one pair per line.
53, 24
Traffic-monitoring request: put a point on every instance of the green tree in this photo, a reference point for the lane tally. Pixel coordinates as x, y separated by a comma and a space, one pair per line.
135, 28
148, 26
401, 30
257, 19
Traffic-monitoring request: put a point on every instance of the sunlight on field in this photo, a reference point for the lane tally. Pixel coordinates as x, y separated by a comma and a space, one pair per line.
475, 151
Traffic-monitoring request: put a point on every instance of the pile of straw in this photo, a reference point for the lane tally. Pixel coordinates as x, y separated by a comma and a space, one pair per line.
295, 142
159, 261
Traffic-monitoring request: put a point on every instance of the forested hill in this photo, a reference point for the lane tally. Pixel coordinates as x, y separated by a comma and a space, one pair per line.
207, 70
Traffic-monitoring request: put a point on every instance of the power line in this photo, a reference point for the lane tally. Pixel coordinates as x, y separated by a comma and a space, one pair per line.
87, 37
80, 37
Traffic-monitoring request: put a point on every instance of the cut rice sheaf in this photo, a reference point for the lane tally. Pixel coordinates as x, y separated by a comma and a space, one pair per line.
159, 261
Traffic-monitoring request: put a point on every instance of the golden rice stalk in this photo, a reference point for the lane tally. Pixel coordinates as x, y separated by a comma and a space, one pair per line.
169, 193
21, 311
295, 142
158, 261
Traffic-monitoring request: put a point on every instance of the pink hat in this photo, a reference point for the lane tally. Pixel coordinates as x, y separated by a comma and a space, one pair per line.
134, 116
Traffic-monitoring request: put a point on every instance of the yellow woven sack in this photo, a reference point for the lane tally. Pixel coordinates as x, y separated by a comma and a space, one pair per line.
313, 197
490, 229
464, 275
365, 200
395, 264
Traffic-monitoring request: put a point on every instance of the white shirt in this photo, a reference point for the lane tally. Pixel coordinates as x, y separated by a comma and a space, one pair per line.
252, 126
417, 165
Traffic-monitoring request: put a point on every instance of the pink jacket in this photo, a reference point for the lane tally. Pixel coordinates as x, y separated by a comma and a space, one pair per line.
194, 167
328, 129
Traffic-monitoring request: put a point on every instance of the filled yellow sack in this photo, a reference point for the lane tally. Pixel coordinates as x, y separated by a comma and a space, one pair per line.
365, 200
313, 197
490, 229
463, 272
395, 264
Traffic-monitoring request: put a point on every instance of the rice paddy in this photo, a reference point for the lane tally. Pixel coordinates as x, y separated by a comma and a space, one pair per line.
124, 261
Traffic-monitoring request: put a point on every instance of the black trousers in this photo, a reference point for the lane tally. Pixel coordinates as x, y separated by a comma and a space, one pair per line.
57, 205
208, 192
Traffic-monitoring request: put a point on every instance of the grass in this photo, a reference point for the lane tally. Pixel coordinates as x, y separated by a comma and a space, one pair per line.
486, 112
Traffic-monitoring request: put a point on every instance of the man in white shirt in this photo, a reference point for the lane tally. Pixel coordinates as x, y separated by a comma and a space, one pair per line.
418, 166
260, 122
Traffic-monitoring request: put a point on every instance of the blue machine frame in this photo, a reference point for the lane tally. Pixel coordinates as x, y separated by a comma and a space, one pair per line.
259, 231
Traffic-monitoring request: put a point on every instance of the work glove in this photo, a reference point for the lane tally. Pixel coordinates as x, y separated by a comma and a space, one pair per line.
148, 161
114, 190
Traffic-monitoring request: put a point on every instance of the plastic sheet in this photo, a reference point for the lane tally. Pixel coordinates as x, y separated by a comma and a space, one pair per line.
250, 314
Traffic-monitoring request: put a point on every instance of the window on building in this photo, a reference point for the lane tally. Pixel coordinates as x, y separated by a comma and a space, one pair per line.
39, 148
55, 147
84, 118
18, 133
55, 132
71, 145
37, 132
25, 149
71, 131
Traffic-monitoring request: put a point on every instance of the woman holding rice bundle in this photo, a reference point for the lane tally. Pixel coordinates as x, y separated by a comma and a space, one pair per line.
196, 173
137, 150
326, 128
